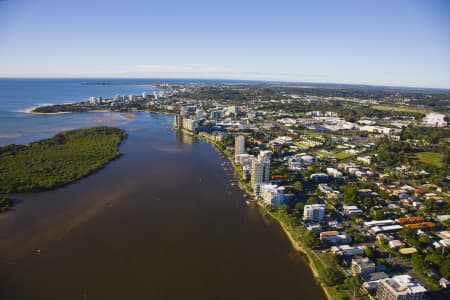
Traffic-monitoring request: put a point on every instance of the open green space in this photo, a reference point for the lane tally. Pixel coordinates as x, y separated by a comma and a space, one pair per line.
402, 108
343, 155
431, 158
59, 160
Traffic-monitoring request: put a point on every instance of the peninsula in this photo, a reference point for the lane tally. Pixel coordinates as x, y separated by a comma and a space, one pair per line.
57, 161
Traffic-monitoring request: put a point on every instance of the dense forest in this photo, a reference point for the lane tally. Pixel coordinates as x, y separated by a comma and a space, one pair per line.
59, 160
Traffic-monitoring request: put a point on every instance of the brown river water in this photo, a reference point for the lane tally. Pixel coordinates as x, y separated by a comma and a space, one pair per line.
161, 222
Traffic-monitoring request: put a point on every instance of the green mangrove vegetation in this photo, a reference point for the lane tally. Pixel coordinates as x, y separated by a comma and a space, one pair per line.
5, 203
59, 160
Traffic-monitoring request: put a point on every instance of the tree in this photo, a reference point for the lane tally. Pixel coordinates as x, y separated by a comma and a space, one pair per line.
424, 240
329, 259
370, 252
308, 238
353, 284
298, 209
407, 233
298, 186
350, 194
330, 276
377, 214
444, 269
5, 203
418, 263
311, 200
434, 258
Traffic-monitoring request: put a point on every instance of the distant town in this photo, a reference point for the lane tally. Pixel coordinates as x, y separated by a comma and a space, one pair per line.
357, 177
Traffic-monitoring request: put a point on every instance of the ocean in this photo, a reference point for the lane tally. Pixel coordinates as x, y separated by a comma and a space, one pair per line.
18, 95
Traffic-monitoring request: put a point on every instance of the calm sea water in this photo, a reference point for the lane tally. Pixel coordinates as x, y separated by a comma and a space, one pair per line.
17, 95
161, 222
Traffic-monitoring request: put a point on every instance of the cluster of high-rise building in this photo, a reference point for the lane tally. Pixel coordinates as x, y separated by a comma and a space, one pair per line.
258, 169
188, 118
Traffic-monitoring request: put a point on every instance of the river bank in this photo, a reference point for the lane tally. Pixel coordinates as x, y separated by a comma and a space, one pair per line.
312, 258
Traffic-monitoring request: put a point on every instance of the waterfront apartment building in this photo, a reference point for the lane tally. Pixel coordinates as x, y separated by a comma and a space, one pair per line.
362, 265
401, 287
272, 194
260, 174
314, 212
190, 124
244, 159
92, 100
178, 121
239, 145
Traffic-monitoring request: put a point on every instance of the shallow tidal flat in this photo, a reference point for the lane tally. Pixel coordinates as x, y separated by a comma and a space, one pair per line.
161, 222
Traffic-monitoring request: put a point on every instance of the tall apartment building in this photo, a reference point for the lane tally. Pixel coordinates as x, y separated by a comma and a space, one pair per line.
401, 287
190, 124
260, 174
178, 121
239, 145
314, 212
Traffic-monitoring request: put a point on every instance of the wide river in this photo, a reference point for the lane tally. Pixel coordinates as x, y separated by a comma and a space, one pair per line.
161, 222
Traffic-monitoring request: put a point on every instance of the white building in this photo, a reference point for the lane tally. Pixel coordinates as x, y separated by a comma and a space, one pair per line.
434, 119
265, 155
233, 110
362, 265
377, 129
92, 100
401, 287
260, 173
190, 124
347, 250
244, 159
239, 145
351, 209
364, 159
334, 172
314, 212
329, 191
272, 194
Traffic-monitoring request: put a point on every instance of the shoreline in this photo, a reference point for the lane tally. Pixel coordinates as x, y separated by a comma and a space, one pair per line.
301, 249
30, 110
326, 290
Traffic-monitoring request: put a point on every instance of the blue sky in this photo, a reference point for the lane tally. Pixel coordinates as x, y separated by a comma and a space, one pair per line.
380, 42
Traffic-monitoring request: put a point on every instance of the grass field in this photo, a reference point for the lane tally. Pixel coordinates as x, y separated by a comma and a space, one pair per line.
324, 153
431, 158
410, 109
343, 155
